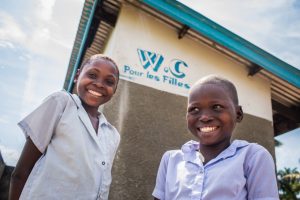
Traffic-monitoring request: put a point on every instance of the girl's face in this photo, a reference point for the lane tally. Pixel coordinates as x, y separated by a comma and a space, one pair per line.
96, 83
212, 115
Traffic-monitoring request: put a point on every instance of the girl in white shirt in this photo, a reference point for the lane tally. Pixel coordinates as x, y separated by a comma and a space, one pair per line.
70, 145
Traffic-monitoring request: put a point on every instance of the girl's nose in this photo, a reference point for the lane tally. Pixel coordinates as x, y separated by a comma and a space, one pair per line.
205, 117
99, 83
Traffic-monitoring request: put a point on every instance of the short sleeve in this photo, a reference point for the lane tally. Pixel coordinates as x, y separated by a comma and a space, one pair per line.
159, 190
40, 124
261, 178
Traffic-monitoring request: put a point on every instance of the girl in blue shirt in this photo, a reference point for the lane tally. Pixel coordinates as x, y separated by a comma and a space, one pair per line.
214, 168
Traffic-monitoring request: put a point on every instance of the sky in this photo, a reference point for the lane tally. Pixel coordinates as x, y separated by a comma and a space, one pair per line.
289, 151
37, 36
36, 39
273, 25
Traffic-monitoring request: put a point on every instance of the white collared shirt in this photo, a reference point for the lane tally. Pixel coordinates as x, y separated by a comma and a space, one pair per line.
243, 171
76, 162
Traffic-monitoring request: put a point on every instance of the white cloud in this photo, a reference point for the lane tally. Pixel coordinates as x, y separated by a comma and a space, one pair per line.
10, 156
44, 36
48, 30
51, 28
3, 120
273, 26
288, 154
6, 44
45, 9
43, 78
10, 30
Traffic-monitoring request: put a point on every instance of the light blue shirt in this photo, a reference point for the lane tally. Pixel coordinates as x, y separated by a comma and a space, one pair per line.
243, 171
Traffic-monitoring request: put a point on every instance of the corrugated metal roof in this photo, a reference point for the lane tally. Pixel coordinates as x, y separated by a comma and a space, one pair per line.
87, 8
104, 29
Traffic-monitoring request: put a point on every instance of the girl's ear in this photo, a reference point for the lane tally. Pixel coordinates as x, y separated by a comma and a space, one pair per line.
240, 114
116, 86
76, 76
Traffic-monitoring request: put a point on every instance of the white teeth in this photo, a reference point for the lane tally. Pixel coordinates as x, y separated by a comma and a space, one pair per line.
207, 129
95, 93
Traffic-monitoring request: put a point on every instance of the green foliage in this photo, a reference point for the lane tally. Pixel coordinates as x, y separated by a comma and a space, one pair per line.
289, 183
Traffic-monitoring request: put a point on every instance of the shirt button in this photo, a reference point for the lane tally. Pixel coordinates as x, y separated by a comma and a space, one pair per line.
103, 163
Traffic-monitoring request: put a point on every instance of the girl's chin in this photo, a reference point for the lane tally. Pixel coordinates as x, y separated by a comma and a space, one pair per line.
94, 104
206, 138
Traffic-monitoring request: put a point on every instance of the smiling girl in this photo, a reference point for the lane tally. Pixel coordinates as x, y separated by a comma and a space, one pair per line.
70, 146
214, 168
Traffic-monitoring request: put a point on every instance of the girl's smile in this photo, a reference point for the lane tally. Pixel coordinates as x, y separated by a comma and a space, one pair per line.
207, 132
94, 93
207, 129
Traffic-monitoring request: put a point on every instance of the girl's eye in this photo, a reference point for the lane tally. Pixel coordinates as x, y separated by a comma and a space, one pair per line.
110, 82
92, 75
193, 110
217, 107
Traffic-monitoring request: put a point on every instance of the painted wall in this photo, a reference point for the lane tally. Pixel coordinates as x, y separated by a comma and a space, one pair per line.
138, 38
149, 107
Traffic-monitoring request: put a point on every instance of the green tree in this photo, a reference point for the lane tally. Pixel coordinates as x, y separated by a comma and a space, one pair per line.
289, 183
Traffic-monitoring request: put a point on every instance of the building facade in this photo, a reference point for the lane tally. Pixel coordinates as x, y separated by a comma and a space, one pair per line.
162, 48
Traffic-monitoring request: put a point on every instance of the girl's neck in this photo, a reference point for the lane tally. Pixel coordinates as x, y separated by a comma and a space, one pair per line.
211, 152
91, 111
94, 116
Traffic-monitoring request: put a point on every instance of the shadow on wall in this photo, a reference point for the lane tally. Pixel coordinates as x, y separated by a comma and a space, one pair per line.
5, 174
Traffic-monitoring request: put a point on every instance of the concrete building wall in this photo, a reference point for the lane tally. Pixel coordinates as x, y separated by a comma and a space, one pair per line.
150, 113
137, 31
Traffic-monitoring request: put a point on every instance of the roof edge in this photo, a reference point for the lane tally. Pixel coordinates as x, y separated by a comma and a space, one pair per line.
226, 38
85, 30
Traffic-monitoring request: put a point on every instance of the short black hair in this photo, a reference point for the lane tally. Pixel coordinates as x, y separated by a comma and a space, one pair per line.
218, 80
96, 57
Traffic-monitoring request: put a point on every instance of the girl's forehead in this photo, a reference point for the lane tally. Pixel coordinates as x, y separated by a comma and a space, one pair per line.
99, 62
208, 87
102, 63
209, 91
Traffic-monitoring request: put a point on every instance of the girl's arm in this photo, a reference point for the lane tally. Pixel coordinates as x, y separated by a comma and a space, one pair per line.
261, 178
28, 158
159, 189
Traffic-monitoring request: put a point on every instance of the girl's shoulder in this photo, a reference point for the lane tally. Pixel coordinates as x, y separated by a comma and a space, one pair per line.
61, 95
173, 155
173, 152
249, 146
58, 98
254, 150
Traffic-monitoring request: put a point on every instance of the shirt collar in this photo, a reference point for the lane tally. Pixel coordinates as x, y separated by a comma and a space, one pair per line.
190, 153
103, 120
232, 149
190, 146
